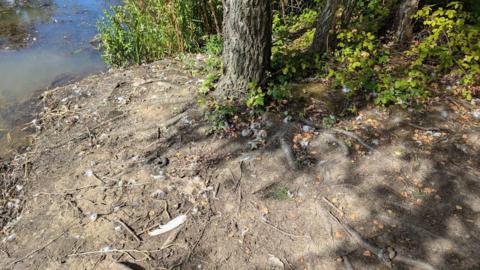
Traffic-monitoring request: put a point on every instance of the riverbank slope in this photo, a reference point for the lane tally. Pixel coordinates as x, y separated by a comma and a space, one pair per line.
121, 153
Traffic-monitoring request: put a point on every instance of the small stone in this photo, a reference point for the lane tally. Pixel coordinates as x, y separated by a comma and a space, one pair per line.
275, 263
444, 114
247, 132
458, 207
158, 194
255, 126
307, 128
10, 238
476, 114
93, 217
262, 134
89, 173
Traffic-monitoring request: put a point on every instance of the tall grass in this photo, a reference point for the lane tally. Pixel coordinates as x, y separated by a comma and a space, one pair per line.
146, 30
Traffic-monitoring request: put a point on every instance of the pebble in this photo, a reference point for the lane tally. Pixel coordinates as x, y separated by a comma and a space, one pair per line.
93, 216
88, 173
158, 194
247, 132
476, 114
307, 128
262, 134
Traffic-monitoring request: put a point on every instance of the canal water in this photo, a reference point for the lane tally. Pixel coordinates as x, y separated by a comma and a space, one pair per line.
43, 43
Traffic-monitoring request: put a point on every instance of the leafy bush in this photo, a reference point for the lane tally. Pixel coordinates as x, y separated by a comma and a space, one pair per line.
356, 60
147, 30
450, 43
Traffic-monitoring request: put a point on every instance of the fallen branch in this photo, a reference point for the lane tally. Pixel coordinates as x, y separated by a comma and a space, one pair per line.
350, 134
347, 263
129, 230
107, 251
426, 128
333, 206
387, 255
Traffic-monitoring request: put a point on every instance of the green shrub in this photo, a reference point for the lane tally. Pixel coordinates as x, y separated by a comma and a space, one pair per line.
147, 30
451, 44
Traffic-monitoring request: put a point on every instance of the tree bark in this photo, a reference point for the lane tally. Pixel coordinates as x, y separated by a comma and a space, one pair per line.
404, 24
325, 23
247, 31
348, 12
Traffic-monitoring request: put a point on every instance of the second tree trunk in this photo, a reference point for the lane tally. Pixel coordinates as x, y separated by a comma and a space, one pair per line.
247, 31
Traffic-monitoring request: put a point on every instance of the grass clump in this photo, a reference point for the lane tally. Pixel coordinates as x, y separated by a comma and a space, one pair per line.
147, 30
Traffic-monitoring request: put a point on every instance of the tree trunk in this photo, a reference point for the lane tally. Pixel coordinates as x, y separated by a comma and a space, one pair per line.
348, 12
325, 23
404, 23
247, 31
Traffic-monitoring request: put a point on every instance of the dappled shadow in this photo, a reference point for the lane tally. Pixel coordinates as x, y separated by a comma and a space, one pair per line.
246, 208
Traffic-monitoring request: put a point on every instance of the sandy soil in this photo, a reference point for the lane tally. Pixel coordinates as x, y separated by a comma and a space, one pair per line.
121, 153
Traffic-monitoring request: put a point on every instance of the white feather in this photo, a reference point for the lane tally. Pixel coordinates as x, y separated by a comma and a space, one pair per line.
172, 224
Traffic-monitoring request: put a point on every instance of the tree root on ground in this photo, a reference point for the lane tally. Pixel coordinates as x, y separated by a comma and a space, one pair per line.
386, 255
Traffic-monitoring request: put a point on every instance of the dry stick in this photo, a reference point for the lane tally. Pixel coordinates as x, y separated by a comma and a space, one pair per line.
424, 128
380, 253
37, 250
280, 230
102, 252
350, 134
129, 230
333, 206
347, 263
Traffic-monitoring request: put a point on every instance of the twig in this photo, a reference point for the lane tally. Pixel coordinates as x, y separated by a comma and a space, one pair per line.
102, 252
425, 128
333, 205
129, 230
37, 250
350, 134
280, 230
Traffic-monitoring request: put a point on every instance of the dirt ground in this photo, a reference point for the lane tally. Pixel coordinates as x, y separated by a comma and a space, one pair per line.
121, 153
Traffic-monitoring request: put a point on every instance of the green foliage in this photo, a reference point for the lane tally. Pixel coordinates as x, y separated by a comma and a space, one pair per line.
451, 44
356, 61
255, 98
209, 83
214, 48
405, 91
329, 121
280, 193
147, 30
217, 114
371, 15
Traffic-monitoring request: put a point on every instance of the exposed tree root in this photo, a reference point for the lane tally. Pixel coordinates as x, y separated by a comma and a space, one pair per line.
287, 150
350, 134
387, 255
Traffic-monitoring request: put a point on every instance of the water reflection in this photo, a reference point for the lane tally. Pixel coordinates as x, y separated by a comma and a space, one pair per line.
42, 43
18, 18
